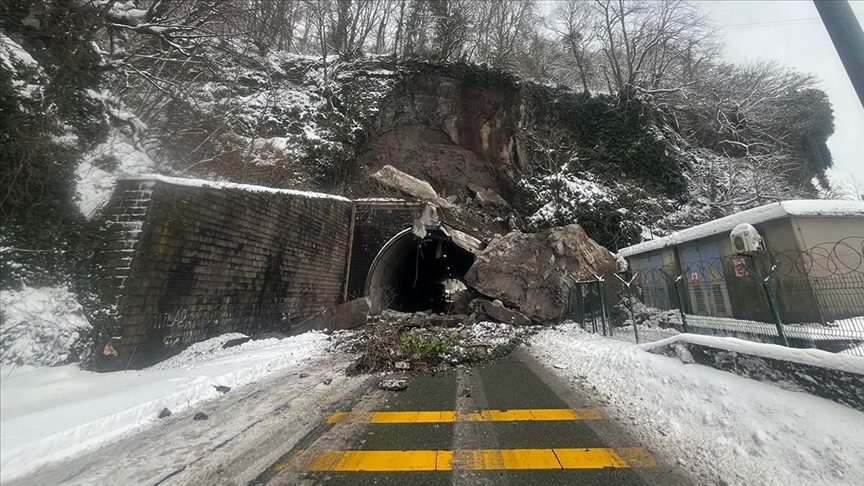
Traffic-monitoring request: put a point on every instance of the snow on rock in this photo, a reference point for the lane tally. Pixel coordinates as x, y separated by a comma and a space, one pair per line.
21, 66
49, 414
563, 191
98, 172
39, 326
722, 428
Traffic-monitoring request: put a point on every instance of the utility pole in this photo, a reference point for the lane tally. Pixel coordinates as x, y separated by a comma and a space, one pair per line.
848, 39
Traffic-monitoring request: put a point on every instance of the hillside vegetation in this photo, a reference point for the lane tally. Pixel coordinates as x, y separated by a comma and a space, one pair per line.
621, 116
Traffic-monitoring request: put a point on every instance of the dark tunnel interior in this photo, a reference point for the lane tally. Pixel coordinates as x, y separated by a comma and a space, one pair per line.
412, 271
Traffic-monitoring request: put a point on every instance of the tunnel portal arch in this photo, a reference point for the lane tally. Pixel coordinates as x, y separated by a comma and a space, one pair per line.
408, 273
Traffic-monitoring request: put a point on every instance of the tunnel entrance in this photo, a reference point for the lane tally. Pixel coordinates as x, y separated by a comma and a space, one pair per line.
411, 274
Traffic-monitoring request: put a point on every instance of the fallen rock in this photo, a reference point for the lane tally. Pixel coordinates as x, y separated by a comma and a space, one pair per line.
164, 413
461, 299
527, 271
499, 313
487, 197
402, 365
393, 384
348, 315
462, 240
222, 389
327, 381
235, 342
428, 219
395, 178
391, 315
304, 375
200, 416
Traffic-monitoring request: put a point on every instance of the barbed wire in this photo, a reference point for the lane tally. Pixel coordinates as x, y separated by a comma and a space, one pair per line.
825, 260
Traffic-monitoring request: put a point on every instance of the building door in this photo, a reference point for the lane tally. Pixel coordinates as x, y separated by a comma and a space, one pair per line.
706, 283
655, 291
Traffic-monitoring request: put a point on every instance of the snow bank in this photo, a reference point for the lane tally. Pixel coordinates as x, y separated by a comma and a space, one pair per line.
39, 326
723, 428
812, 357
48, 414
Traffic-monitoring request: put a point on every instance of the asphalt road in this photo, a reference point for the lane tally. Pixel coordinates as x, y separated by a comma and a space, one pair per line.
509, 422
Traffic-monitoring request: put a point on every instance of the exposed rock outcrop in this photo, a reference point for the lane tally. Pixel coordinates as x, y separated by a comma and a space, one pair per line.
526, 271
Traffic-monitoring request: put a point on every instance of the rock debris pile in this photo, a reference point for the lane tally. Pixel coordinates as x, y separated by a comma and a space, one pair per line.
427, 343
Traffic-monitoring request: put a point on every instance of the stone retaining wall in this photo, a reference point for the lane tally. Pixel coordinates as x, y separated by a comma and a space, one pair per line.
190, 262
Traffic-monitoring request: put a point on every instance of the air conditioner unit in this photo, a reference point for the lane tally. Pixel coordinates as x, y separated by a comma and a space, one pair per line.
745, 239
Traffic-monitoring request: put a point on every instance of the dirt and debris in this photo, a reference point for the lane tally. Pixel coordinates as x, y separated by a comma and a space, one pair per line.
201, 416
164, 413
393, 384
427, 343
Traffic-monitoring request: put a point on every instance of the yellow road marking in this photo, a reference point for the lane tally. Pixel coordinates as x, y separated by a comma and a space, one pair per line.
336, 417
637, 457
589, 458
414, 417
482, 459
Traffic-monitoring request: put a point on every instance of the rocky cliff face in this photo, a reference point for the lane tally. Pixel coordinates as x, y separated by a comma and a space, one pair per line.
448, 132
554, 157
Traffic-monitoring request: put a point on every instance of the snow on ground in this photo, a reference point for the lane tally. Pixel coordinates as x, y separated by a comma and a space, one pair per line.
39, 326
723, 428
48, 414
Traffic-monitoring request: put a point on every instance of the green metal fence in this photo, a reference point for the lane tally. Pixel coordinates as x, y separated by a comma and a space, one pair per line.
808, 299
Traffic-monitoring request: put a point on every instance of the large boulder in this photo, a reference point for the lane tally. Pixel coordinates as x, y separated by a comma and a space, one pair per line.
348, 315
529, 272
395, 178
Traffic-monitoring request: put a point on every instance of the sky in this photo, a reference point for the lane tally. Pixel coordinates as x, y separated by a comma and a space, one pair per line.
792, 33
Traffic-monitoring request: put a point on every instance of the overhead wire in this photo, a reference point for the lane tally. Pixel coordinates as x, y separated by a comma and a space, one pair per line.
770, 23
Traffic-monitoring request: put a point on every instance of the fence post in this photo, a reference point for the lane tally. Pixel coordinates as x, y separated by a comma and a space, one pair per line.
601, 289
676, 283
580, 305
772, 302
630, 303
